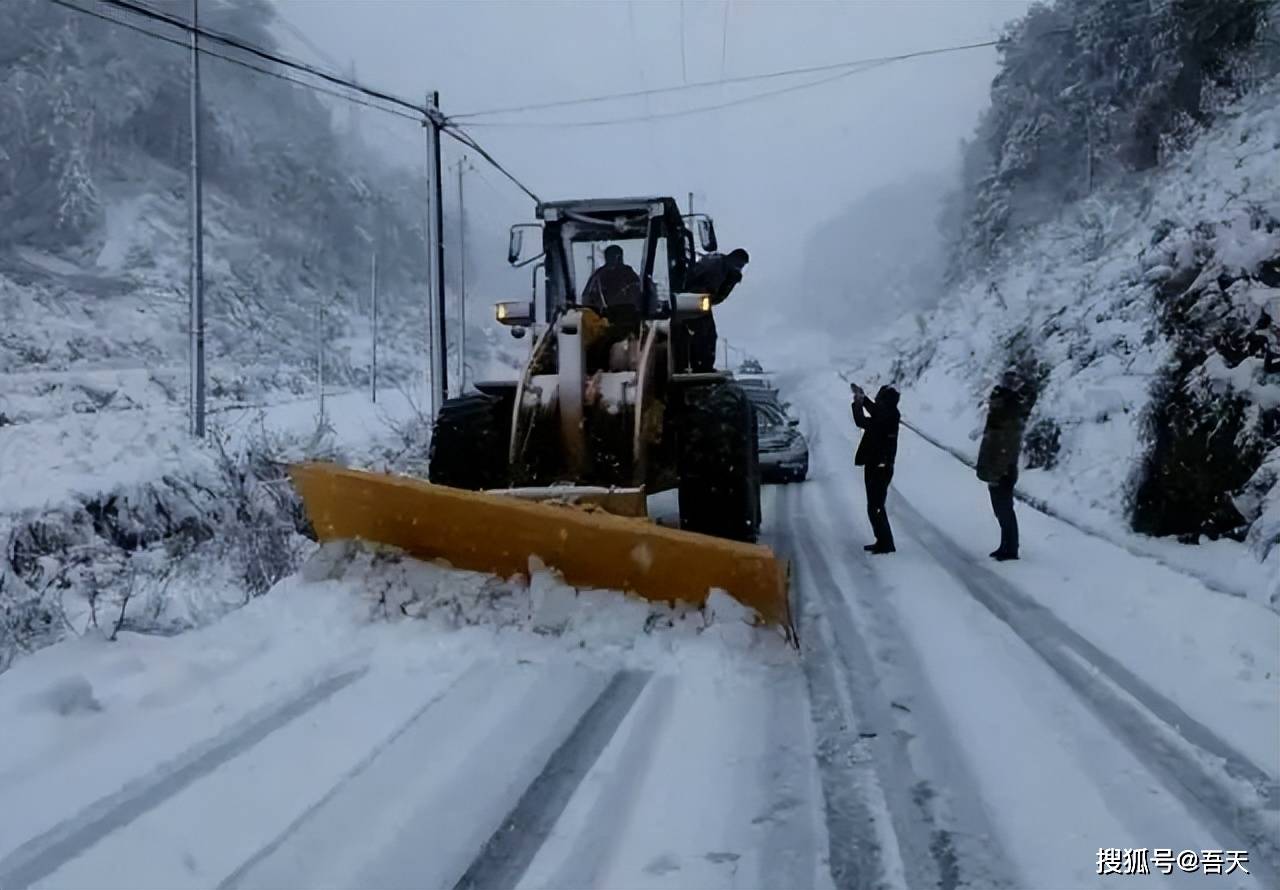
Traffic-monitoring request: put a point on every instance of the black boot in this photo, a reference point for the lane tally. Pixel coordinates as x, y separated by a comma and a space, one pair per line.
877, 549
1004, 555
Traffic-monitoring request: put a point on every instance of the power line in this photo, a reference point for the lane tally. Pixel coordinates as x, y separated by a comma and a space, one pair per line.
306, 41
66, 4
265, 55
790, 72
684, 70
466, 139
421, 112
724, 37
684, 112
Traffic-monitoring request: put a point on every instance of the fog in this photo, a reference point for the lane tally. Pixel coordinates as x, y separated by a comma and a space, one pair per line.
769, 171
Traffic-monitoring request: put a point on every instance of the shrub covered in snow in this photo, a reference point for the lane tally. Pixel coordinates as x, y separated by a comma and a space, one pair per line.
156, 557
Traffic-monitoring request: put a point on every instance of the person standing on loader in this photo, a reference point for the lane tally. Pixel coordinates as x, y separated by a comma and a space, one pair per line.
876, 455
716, 274
998, 459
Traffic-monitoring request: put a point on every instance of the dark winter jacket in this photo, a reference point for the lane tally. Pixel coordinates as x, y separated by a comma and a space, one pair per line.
611, 286
714, 274
1002, 439
878, 419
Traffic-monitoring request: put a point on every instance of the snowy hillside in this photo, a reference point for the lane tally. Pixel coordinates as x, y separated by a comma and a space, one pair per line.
1146, 315
103, 496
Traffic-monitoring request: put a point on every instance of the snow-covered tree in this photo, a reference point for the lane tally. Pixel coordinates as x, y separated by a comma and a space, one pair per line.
1088, 90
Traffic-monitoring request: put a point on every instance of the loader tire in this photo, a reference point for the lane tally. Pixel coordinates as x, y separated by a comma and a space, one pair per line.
719, 489
469, 443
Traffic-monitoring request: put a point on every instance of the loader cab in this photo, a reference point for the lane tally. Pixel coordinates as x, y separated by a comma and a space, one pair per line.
654, 239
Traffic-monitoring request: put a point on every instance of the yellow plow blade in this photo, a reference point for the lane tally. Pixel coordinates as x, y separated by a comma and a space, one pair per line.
495, 533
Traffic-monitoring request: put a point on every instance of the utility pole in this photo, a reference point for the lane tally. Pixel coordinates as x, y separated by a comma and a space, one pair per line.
373, 312
463, 166
196, 322
437, 186
1089, 157
320, 337
691, 203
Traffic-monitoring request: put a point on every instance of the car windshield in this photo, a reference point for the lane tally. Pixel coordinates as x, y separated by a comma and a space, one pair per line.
769, 416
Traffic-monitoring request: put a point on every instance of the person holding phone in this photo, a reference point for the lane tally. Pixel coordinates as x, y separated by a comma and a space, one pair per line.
878, 419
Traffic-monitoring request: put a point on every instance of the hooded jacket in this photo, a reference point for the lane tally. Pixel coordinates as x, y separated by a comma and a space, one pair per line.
714, 274
1002, 439
878, 419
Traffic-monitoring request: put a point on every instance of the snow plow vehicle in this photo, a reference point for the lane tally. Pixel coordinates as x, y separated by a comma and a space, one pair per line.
557, 464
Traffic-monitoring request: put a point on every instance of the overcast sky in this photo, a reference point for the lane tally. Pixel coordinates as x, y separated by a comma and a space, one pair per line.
768, 171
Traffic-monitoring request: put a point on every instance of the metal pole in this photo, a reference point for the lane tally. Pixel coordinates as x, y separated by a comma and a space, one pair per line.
690, 203
1089, 158
462, 282
320, 358
433, 367
197, 239
373, 299
438, 241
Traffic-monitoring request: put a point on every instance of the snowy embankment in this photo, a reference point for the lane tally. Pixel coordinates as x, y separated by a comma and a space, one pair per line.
1143, 316
283, 744
110, 514
117, 519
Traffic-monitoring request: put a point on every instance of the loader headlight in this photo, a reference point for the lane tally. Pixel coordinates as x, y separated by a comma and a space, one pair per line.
517, 313
691, 305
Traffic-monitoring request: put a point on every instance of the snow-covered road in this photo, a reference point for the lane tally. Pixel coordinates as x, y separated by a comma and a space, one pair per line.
948, 723
296, 744
1016, 718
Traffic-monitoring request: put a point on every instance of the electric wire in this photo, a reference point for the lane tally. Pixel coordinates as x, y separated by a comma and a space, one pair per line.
704, 84
466, 139
422, 114
684, 112
266, 55
724, 37
205, 51
449, 125
684, 70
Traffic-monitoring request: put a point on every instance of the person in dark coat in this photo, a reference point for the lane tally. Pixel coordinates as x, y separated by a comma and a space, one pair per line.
876, 454
613, 284
716, 274
998, 459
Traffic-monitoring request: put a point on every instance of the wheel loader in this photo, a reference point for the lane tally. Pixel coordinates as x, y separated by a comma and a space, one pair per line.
558, 462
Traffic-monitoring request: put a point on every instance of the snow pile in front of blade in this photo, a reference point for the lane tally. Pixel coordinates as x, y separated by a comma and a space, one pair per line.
536, 609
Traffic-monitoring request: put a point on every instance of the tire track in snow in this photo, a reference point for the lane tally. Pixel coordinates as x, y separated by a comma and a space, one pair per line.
1011, 605
860, 855
45, 853
929, 851
506, 856
592, 849
234, 879
1158, 732
793, 841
